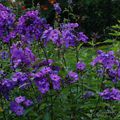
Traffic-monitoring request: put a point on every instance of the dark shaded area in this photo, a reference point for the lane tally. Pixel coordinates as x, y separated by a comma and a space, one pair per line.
94, 15
29, 3
98, 14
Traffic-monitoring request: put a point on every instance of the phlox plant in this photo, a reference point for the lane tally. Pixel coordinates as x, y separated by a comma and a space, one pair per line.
37, 78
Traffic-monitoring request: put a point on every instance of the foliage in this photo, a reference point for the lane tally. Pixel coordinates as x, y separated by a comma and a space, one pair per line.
116, 30
55, 72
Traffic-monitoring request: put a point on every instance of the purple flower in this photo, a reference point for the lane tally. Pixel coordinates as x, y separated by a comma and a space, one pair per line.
56, 85
20, 99
19, 104
16, 108
68, 38
19, 110
38, 75
46, 79
40, 81
55, 81
110, 94
57, 8
55, 77
69, 26
82, 37
80, 66
46, 70
42, 84
112, 73
73, 77
21, 55
88, 94
21, 79
107, 60
55, 36
6, 86
109, 65
30, 26
28, 103
46, 34
55, 69
44, 88
64, 36
7, 20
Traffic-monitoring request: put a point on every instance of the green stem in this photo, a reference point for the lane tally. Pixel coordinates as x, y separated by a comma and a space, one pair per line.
44, 51
77, 54
98, 100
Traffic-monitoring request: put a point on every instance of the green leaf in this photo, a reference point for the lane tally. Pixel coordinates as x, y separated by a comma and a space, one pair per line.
47, 116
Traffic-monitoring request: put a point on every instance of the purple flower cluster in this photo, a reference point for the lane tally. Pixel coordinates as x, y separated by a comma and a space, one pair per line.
69, 38
53, 35
73, 77
21, 55
55, 81
47, 78
21, 79
65, 35
69, 26
82, 37
6, 86
19, 104
108, 60
30, 26
109, 70
7, 20
110, 94
32, 72
110, 65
